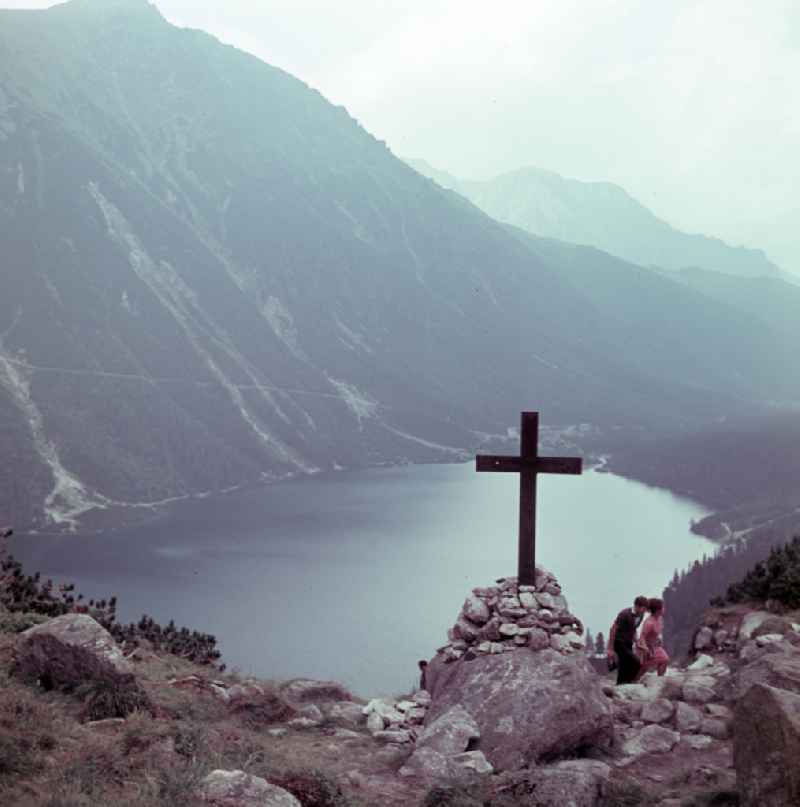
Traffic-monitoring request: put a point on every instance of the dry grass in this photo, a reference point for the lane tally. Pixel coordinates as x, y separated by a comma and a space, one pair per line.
53, 755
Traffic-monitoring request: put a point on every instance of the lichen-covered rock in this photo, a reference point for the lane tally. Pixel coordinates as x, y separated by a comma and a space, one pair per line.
650, 740
694, 692
766, 747
527, 706
780, 670
450, 732
658, 711
572, 783
476, 610
240, 789
688, 719
69, 651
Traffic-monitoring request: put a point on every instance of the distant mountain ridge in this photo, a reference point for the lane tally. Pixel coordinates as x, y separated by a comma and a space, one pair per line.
598, 214
212, 276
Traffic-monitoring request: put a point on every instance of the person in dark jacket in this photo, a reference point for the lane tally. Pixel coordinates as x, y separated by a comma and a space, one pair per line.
622, 637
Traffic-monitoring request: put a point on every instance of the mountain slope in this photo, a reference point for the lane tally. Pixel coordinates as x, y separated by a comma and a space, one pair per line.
601, 215
211, 276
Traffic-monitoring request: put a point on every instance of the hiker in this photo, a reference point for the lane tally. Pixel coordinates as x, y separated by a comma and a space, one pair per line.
621, 639
650, 643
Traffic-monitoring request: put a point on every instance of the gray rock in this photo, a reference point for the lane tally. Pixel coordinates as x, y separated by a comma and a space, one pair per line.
769, 638
716, 728
490, 632
773, 625
697, 693
574, 783
450, 732
476, 610
627, 711
658, 711
528, 601
718, 710
302, 723
766, 747
688, 719
720, 637
502, 692
466, 630
312, 712
702, 662
546, 600
239, 789
395, 736
697, 742
538, 639
346, 734
509, 630
703, 639
72, 650
781, 670
346, 712
473, 761
422, 697
375, 722
750, 622
428, 764
651, 740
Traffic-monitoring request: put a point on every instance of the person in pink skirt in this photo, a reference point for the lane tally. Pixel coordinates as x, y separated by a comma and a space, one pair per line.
650, 644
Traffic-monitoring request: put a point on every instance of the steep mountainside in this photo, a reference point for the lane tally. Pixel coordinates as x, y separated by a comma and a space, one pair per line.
211, 275
601, 215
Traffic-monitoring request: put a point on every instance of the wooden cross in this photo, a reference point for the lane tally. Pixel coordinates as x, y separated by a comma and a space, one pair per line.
528, 465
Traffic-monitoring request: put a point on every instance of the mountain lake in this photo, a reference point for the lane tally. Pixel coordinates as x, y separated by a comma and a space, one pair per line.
355, 575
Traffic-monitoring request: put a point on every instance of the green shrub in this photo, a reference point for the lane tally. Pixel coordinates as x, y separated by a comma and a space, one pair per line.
777, 578
113, 697
16, 622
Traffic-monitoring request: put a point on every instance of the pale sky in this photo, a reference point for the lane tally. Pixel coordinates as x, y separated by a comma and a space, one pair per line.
692, 105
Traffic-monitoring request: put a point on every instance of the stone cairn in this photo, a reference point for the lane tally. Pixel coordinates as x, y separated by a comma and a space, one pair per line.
508, 616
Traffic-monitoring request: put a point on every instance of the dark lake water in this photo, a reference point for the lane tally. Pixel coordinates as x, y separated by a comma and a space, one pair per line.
354, 576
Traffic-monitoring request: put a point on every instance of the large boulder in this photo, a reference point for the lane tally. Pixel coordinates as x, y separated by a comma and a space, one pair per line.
69, 651
781, 670
572, 783
528, 706
766, 747
239, 789
751, 622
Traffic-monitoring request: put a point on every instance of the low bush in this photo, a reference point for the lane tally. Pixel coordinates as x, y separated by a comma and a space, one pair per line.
113, 697
777, 578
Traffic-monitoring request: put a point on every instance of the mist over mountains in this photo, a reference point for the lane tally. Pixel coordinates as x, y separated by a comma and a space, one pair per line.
602, 215
212, 276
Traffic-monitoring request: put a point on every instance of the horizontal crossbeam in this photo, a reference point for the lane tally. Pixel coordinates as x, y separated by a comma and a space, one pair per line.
542, 465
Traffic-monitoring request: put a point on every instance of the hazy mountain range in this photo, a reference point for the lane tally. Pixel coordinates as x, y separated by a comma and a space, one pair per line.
210, 275
601, 215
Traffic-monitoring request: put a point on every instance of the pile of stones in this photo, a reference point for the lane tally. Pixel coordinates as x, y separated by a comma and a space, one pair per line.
508, 616
397, 721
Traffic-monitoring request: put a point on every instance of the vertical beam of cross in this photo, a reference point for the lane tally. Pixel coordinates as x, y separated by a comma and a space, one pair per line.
528, 465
